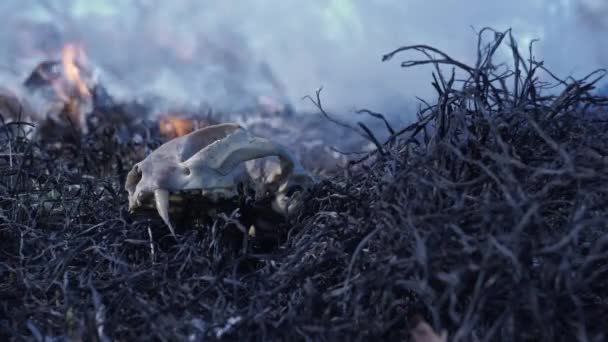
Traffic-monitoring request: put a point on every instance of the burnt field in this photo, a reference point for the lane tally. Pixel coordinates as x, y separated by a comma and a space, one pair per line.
486, 217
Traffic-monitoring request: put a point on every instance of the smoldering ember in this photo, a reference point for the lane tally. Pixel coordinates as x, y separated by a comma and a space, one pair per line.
485, 219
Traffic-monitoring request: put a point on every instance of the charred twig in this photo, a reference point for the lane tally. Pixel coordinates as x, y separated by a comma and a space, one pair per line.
379, 116
317, 103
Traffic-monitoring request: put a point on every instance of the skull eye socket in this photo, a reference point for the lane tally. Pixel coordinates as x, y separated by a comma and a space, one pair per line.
187, 171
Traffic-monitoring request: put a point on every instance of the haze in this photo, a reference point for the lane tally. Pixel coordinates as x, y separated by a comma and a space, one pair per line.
158, 47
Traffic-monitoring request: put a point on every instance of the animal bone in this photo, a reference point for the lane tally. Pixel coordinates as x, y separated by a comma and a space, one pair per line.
210, 163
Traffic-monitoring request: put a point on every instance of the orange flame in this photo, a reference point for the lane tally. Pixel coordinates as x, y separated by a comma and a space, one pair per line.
71, 89
70, 54
174, 127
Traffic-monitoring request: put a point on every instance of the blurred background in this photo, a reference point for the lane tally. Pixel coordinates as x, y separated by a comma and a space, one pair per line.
228, 53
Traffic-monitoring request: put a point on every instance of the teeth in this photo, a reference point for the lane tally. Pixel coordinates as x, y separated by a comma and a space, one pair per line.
162, 205
176, 198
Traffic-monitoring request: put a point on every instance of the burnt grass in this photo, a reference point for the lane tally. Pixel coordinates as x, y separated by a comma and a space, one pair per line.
487, 217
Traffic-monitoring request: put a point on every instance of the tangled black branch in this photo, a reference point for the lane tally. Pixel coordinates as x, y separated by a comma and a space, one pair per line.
487, 216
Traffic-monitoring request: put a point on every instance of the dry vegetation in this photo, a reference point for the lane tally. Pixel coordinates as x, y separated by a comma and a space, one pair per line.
487, 216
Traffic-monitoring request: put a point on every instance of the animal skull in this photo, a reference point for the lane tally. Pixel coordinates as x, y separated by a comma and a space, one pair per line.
210, 162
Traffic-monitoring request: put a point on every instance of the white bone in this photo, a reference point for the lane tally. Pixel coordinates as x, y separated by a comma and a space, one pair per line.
211, 161
162, 205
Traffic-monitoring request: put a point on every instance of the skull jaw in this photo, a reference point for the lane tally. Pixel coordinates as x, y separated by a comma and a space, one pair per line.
283, 197
201, 193
144, 200
208, 187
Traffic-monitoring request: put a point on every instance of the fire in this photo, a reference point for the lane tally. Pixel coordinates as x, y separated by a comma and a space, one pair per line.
70, 56
174, 127
177, 125
71, 87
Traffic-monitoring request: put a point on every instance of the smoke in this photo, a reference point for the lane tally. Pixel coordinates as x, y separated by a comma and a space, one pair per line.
226, 53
